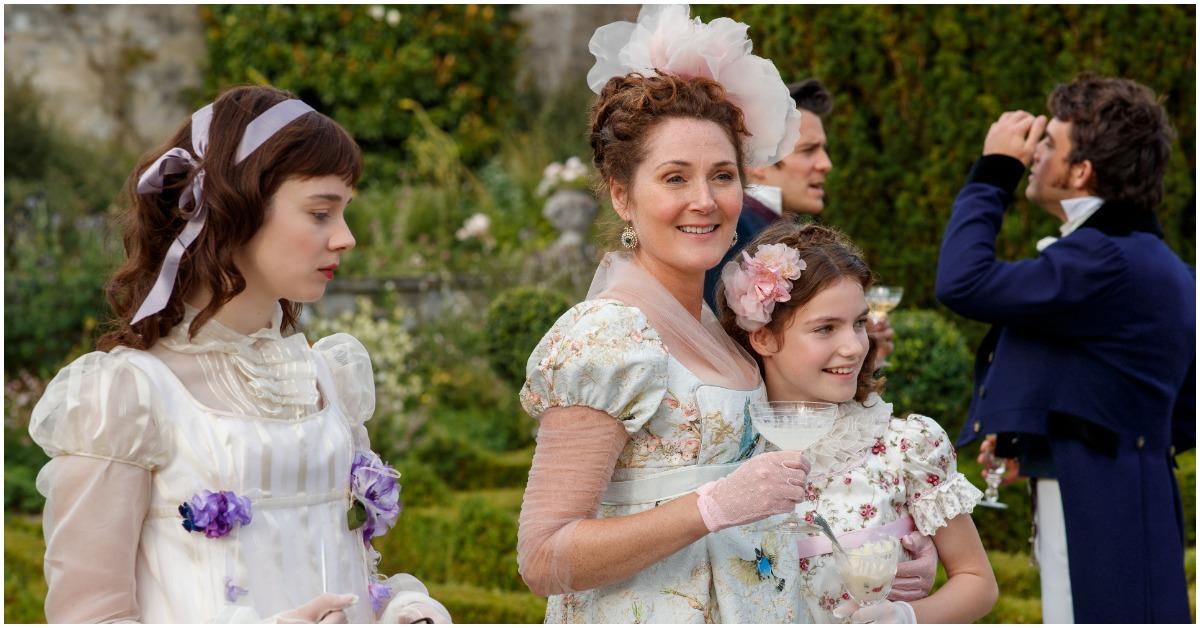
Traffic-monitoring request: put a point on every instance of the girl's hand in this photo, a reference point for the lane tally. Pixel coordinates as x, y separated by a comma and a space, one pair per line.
767, 484
884, 612
914, 578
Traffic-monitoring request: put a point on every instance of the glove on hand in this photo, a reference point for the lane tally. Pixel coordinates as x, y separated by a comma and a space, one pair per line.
884, 612
323, 609
411, 604
767, 484
914, 578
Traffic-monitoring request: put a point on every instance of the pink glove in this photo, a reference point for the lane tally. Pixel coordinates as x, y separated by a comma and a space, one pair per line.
914, 578
767, 484
323, 609
883, 612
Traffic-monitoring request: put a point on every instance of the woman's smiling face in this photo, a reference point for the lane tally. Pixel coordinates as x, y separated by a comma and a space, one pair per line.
684, 198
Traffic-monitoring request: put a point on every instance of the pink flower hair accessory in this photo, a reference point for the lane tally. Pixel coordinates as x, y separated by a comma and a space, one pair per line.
665, 40
753, 285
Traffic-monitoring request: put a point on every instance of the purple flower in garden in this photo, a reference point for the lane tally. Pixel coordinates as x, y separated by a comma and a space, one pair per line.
375, 485
233, 591
380, 595
214, 514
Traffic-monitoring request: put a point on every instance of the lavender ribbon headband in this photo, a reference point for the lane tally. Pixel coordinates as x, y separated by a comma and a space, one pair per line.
191, 200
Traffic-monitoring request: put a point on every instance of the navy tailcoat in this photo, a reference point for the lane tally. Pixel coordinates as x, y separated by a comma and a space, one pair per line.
1093, 354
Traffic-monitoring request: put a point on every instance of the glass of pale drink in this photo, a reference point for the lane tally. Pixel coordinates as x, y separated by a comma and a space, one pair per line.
867, 570
793, 426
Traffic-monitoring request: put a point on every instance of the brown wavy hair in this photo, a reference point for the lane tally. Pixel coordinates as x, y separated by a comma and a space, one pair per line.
830, 257
237, 197
1121, 127
630, 107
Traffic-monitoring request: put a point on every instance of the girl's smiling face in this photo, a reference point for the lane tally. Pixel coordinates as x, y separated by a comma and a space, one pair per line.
820, 352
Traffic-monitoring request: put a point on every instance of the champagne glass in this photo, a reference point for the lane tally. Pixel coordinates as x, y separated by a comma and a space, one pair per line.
793, 426
868, 570
880, 301
992, 477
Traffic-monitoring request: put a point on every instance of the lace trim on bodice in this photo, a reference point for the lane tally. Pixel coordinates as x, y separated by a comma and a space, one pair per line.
859, 426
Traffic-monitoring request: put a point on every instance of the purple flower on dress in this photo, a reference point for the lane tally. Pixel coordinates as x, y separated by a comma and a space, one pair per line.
214, 514
233, 591
375, 485
380, 595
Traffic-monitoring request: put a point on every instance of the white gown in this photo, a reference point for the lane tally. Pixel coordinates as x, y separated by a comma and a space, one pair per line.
130, 442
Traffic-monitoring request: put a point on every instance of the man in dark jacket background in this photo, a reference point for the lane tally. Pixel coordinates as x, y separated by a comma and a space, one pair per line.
1088, 374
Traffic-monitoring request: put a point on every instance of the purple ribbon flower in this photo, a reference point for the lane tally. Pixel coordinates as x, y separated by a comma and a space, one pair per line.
214, 514
233, 591
380, 594
376, 487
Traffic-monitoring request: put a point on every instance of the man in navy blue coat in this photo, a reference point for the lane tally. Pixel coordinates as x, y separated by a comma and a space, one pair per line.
1088, 374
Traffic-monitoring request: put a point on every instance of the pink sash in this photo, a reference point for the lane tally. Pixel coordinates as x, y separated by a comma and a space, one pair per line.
820, 544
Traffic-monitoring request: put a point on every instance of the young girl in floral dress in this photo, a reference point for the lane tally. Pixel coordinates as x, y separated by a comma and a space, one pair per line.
795, 300
204, 464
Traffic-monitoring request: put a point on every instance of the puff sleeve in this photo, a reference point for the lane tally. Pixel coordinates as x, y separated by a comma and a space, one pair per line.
601, 354
98, 422
354, 378
101, 406
936, 491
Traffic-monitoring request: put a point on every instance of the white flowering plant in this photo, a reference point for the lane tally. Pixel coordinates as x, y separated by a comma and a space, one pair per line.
391, 347
571, 174
477, 227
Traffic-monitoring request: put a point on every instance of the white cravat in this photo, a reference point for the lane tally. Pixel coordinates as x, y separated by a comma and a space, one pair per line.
1078, 210
768, 195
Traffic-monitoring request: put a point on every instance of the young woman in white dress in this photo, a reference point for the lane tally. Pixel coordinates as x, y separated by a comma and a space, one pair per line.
872, 471
203, 464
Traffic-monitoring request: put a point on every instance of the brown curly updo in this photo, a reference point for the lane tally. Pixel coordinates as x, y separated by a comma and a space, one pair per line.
629, 107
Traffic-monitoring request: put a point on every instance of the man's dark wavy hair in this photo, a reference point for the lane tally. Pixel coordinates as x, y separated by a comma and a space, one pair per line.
1120, 126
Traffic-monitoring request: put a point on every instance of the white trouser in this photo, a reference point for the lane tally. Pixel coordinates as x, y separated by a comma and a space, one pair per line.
1050, 550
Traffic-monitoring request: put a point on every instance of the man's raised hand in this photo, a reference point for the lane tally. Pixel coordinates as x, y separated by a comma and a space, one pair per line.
1016, 134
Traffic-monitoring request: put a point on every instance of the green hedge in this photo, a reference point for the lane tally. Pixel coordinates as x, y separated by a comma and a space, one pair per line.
516, 321
366, 67
916, 88
930, 372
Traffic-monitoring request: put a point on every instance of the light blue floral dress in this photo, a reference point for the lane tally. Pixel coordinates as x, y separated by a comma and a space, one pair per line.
605, 355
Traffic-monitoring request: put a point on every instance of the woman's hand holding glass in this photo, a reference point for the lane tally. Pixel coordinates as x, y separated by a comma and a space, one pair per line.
767, 484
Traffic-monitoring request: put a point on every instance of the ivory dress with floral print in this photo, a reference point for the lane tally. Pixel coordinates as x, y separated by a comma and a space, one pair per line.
604, 354
871, 470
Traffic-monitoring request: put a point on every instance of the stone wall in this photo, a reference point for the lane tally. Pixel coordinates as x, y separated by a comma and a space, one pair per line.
118, 72
557, 35
127, 72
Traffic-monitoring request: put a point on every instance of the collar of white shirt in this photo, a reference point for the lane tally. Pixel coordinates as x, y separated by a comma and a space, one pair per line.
1077, 210
768, 195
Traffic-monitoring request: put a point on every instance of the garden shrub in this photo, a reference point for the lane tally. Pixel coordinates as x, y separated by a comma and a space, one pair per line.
516, 321
58, 249
916, 87
462, 464
24, 582
360, 64
1185, 475
474, 605
930, 372
465, 541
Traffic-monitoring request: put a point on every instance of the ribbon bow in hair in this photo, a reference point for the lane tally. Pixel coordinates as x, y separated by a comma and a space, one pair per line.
191, 199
